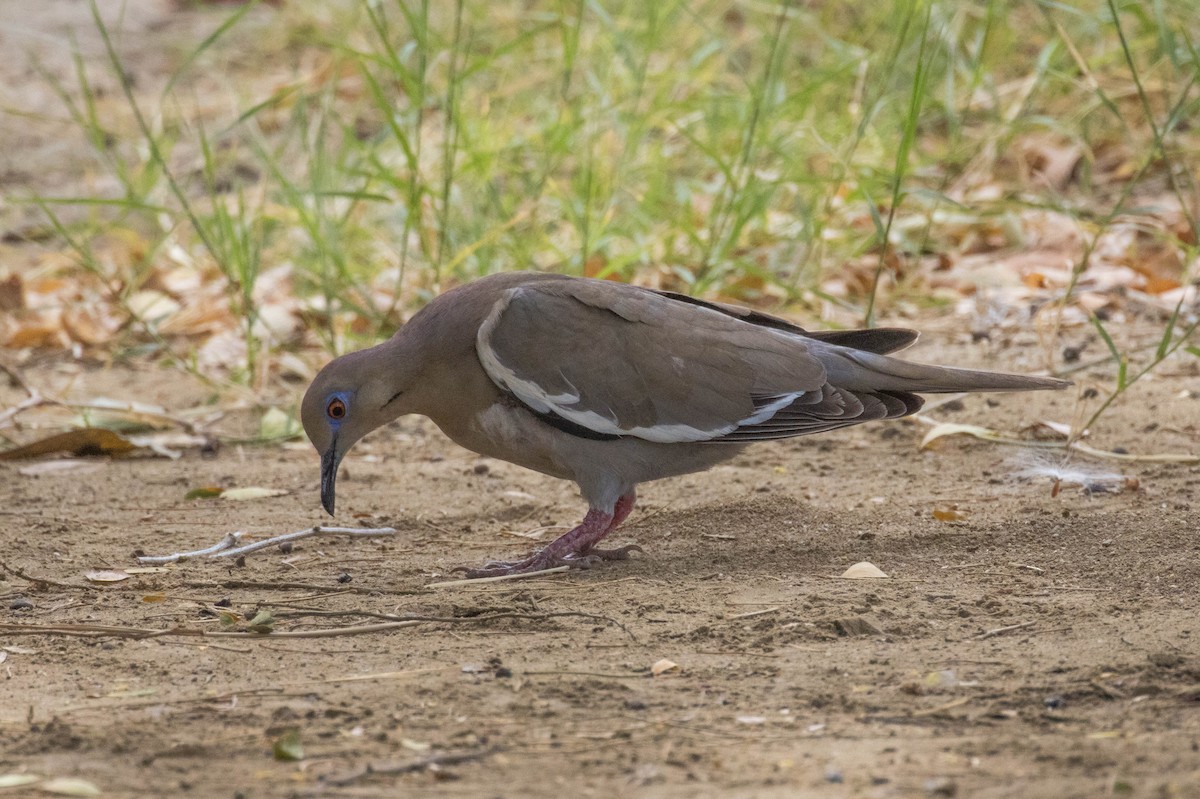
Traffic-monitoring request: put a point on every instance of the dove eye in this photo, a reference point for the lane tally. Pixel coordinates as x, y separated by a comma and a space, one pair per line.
336, 409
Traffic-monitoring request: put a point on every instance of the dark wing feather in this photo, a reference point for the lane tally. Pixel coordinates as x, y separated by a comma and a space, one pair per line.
880, 340
832, 408
624, 361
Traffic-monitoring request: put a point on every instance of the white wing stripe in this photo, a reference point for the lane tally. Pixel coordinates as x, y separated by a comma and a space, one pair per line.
536, 398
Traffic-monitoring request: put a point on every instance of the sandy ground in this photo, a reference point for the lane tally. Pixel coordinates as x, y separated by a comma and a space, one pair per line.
1043, 646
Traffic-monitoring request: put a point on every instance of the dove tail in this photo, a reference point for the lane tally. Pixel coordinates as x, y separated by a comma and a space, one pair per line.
866, 371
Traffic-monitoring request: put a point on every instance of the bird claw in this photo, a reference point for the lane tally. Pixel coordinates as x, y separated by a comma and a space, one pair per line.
540, 562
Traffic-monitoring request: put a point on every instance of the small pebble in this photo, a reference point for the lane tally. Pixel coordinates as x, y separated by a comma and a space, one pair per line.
344, 578
834, 776
1054, 702
20, 603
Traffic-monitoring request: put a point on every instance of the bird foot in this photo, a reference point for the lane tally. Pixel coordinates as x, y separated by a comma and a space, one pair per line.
543, 560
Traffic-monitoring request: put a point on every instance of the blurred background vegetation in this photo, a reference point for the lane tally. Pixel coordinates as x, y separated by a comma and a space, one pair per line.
246, 181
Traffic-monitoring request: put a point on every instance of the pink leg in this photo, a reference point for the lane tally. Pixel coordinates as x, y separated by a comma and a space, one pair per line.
575, 548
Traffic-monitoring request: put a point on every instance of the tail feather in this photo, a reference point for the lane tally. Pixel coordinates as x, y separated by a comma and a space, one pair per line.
880, 340
866, 371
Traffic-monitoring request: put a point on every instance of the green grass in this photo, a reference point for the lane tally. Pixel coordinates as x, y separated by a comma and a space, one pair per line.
747, 150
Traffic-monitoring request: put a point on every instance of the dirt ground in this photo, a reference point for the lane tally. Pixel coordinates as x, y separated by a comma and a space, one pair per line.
1043, 646
1040, 646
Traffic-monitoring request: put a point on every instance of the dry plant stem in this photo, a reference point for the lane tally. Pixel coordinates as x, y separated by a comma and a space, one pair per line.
221, 548
392, 769
17, 378
32, 401
394, 623
364, 532
497, 579
1003, 630
1079, 446
229, 540
15, 572
463, 619
103, 630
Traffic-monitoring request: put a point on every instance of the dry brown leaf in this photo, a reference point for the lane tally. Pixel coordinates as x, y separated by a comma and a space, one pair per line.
84, 441
89, 324
863, 570
33, 329
950, 513
1050, 162
12, 294
663, 666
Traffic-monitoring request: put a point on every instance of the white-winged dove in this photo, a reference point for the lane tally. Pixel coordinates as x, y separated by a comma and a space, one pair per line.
611, 385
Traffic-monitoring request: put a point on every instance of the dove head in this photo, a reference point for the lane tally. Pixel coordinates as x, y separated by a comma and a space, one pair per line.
350, 397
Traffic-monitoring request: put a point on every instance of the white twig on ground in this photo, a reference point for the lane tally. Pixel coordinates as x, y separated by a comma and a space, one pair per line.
497, 579
221, 549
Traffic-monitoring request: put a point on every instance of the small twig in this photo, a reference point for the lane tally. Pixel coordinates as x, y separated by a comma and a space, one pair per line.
99, 630
363, 532
268, 585
221, 548
752, 613
229, 540
391, 622
481, 580
1003, 630
607, 676
457, 619
933, 711
17, 378
393, 769
15, 572
32, 401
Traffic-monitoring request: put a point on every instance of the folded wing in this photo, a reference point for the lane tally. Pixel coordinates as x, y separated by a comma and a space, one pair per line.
604, 361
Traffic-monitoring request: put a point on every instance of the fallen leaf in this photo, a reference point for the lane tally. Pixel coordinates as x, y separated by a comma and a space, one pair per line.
59, 467
84, 441
263, 622
124, 415
17, 780
106, 576
12, 295
662, 666
287, 747
204, 492
154, 598
277, 424
70, 786
952, 429
87, 324
863, 570
239, 494
950, 513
